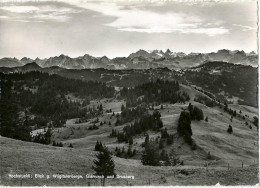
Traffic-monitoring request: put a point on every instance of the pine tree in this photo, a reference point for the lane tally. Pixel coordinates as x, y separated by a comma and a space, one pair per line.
97, 146
104, 165
131, 141
146, 142
129, 152
100, 107
71, 146
134, 152
230, 130
161, 107
122, 107
184, 128
226, 107
117, 122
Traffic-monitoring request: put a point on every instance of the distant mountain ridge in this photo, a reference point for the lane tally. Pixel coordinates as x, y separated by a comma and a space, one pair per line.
141, 59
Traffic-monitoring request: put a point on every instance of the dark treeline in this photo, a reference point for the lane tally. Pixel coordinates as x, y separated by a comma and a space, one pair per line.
151, 92
43, 138
59, 144
11, 125
210, 95
125, 154
89, 113
49, 100
166, 138
153, 156
44, 96
129, 114
195, 113
205, 100
99, 146
145, 123
229, 110
92, 89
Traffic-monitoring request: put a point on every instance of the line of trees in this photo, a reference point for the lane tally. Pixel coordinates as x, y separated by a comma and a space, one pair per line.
43, 138
11, 125
129, 114
125, 154
153, 156
145, 123
195, 112
158, 91
205, 100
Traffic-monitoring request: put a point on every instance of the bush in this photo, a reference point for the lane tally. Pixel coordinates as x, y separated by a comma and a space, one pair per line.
230, 130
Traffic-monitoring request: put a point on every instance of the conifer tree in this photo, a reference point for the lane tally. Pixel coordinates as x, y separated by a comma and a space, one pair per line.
131, 141
122, 107
184, 128
104, 165
129, 152
230, 130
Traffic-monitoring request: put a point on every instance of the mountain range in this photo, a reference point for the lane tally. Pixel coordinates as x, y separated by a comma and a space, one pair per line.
141, 59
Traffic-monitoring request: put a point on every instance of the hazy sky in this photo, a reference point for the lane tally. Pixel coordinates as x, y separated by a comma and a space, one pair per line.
118, 28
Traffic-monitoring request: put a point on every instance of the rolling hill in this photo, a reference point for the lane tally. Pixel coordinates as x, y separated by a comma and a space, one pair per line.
228, 152
230, 82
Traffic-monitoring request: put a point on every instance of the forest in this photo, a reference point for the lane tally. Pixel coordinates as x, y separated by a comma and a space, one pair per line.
154, 92
35, 100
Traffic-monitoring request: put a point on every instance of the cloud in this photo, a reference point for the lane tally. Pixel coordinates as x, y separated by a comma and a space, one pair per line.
39, 13
3, 17
245, 27
133, 19
20, 9
208, 31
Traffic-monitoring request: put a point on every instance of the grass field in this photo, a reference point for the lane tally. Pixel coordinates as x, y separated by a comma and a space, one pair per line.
27, 158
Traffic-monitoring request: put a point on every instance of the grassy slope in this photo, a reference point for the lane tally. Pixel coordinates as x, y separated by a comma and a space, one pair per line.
22, 157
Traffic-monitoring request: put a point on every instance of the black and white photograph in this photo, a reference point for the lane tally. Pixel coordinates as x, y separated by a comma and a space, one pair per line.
129, 93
